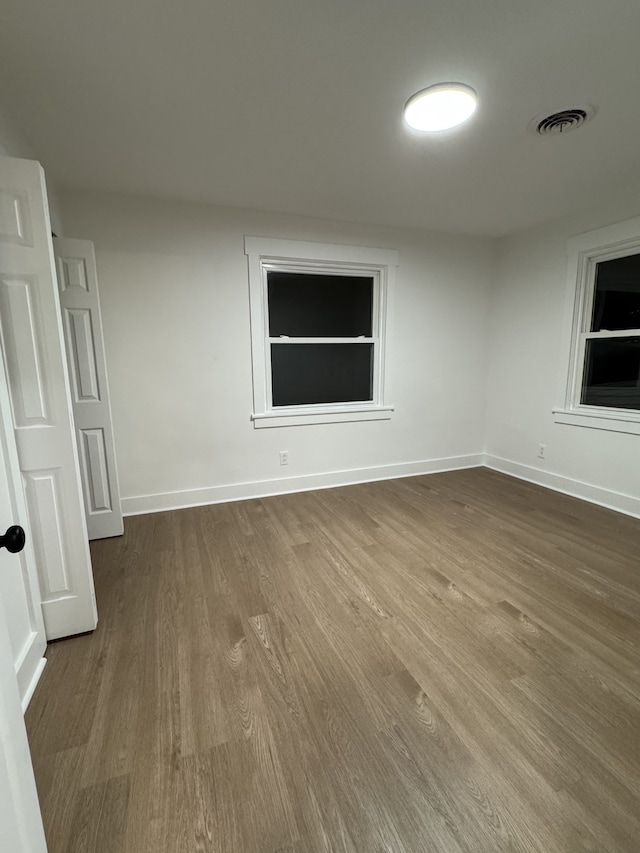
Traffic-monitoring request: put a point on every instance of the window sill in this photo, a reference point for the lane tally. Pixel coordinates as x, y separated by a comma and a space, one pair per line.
608, 420
300, 417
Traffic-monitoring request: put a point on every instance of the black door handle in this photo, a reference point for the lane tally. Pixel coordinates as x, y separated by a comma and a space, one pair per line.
13, 539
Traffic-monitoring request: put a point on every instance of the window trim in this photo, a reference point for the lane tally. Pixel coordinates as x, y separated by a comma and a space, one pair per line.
265, 253
585, 251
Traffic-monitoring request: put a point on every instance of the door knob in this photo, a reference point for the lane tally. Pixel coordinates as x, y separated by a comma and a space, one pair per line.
13, 539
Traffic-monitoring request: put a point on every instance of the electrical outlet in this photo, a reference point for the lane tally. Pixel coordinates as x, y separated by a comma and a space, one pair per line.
542, 451
284, 457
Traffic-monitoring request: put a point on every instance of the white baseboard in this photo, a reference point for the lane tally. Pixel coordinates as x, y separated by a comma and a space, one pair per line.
29, 665
264, 488
35, 678
164, 501
618, 501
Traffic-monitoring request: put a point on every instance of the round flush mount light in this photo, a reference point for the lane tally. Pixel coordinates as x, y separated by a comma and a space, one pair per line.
440, 107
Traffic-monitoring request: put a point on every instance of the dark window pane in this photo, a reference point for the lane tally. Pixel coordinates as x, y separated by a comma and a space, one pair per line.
321, 373
612, 373
319, 306
617, 296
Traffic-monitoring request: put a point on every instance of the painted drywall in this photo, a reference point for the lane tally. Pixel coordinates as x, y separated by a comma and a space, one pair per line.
175, 306
14, 144
525, 332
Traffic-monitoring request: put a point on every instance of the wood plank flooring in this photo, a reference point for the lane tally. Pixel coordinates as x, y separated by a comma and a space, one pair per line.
441, 664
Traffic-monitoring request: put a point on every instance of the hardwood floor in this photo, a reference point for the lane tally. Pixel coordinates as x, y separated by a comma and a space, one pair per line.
442, 663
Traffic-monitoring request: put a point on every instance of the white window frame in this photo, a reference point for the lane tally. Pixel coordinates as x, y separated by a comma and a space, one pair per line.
267, 254
585, 252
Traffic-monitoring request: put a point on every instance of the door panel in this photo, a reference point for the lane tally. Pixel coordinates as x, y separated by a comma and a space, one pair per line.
96, 475
15, 221
19, 586
33, 348
78, 283
22, 334
84, 374
43, 497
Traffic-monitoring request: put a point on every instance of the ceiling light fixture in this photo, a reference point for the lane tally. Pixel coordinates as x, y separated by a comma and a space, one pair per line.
440, 107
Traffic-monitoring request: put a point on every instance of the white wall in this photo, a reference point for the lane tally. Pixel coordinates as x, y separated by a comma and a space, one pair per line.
527, 313
174, 296
13, 144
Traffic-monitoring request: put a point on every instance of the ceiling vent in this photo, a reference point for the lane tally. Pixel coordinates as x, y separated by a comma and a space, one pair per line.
561, 122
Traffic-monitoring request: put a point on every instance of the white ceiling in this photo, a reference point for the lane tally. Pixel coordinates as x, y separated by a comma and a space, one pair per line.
295, 106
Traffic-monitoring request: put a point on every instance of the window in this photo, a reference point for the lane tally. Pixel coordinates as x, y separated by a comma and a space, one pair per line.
320, 316
602, 386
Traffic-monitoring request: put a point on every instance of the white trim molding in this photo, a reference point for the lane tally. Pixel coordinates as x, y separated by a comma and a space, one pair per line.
142, 504
585, 251
613, 421
165, 501
289, 417
29, 666
33, 683
618, 501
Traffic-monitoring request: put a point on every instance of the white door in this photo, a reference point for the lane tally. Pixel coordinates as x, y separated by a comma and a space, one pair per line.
82, 323
19, 587
33, 348
20, 821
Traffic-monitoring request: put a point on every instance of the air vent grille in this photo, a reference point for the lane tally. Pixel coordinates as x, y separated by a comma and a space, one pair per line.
562, 121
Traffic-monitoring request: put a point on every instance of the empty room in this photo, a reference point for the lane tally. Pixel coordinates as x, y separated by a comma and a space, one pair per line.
319, 427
